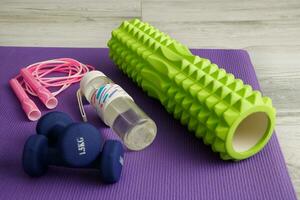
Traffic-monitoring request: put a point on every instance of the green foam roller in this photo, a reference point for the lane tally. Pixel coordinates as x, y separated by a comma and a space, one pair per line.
227, 114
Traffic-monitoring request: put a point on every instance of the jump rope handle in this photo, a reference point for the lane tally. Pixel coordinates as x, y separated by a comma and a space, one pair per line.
43, 93
29, 107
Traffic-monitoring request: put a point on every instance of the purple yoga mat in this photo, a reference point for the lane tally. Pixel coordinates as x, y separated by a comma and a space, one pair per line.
175, 166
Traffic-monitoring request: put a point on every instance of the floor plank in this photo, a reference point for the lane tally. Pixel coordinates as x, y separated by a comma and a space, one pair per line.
63, 23
234, 24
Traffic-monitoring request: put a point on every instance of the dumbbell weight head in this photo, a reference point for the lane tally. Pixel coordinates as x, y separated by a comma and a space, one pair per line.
52, 124
34, 158
80, 144
111, 161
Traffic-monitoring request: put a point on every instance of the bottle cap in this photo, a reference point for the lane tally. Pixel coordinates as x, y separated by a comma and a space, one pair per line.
89, 77
86, 89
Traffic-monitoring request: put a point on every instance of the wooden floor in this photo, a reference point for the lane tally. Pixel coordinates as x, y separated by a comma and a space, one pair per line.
268, 29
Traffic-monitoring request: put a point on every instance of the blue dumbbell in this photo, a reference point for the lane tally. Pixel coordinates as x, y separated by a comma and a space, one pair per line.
61, 142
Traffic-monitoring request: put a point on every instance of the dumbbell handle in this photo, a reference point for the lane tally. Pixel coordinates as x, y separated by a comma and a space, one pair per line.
54, 134
54, 159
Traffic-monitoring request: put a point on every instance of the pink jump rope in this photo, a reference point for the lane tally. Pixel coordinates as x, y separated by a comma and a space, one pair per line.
35, 79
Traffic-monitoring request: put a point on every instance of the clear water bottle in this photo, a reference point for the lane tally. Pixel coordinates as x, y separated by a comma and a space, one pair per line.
117, 109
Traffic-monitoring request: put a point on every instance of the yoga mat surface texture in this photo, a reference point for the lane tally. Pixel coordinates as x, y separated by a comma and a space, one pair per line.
175, 166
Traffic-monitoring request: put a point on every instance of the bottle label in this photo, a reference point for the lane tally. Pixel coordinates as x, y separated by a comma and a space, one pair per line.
106, 94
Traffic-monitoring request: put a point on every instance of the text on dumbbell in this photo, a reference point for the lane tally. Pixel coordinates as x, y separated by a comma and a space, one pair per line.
81, 145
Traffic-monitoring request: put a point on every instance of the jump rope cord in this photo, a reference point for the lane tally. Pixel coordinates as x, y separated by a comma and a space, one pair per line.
57, 73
